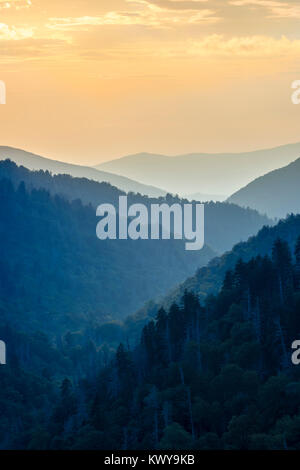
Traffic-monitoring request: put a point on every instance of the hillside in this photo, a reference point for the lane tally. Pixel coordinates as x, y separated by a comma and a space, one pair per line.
225, 224
212, 375
208, 279
275, 194
55, 274
204, 197
36, 162
202, 173
215, 375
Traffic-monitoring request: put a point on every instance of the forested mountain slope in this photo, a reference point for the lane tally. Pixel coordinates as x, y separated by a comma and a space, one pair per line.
56, 274
217, 375
36, 162
208, 173
225, 224
208, 279
211, 375
275, 194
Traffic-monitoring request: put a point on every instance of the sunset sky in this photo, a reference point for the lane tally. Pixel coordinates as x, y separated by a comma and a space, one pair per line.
91, 80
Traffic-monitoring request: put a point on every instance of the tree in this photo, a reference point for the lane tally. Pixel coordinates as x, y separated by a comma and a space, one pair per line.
297, 270
176, 438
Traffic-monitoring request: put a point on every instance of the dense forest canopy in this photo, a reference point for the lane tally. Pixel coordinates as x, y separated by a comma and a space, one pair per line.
55, 271
208, 279
216, 375
208, 368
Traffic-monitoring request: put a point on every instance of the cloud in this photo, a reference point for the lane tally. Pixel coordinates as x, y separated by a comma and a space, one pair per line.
15, 4
28, 49
153, 13
277, 9
111, 18
213, 47
186, 5
262, 3
102, 35
12, 33
128, 18
248, 46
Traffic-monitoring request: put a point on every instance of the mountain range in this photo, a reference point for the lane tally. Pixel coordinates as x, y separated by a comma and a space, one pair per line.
277, 193
204, 197
211, 368
207, 174
209, 375
225, 223
36, 162
56, 274
212, 375
208, 279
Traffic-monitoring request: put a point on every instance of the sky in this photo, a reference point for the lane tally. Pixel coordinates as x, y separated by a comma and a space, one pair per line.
92, 80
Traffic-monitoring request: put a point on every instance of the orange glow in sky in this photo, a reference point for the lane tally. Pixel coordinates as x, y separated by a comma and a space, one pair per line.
91, 80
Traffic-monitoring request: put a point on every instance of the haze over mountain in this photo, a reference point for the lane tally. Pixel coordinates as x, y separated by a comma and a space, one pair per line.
36, 162
275, 194
198, 375
225, 223
55, 272
202, 376
203, 173
205, 197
